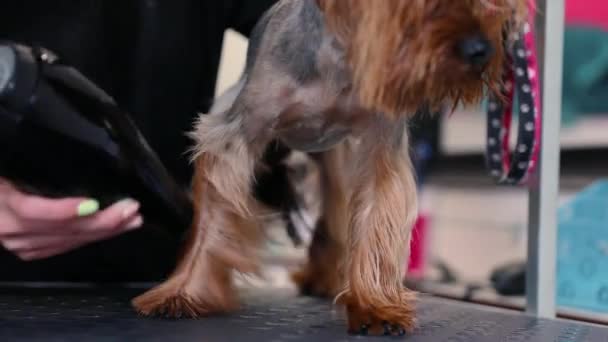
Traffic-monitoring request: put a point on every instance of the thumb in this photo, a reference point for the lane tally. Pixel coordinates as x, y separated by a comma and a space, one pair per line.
32, 207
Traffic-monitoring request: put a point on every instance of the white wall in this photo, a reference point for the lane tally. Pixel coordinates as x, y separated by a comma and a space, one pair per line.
233, 60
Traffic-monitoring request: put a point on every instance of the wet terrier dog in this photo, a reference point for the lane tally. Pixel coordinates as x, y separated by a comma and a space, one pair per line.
338, 79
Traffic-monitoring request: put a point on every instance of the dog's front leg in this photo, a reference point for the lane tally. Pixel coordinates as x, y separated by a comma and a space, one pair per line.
224, 234
383, 208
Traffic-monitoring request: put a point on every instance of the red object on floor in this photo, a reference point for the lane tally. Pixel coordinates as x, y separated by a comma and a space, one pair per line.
417, 261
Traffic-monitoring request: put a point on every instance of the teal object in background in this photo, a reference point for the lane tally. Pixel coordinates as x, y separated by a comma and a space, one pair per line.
585, 81
582, 253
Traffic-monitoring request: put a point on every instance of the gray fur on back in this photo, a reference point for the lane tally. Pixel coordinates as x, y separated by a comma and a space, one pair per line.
291, 34
296, 86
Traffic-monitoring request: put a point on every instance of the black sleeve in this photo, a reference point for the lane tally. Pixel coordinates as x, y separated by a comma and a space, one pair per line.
244, 14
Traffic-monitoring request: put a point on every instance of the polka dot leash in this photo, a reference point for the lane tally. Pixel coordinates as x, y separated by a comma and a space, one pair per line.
506, 166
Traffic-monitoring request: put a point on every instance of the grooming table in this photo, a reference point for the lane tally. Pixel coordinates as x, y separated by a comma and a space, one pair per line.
98, 314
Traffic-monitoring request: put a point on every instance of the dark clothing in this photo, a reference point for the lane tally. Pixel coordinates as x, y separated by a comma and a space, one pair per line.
159, 60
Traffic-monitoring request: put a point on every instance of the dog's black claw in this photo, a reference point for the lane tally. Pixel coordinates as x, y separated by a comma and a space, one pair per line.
387, 329
390, 330
364, 330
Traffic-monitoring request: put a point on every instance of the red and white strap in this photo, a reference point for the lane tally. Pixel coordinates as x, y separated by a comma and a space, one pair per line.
522, 87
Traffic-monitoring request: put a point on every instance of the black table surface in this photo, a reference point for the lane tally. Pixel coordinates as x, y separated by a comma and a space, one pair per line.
104, 314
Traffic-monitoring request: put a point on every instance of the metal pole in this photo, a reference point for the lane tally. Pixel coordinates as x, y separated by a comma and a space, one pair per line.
543, 197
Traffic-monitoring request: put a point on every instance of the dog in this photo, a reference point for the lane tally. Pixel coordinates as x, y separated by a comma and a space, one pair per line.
339, 80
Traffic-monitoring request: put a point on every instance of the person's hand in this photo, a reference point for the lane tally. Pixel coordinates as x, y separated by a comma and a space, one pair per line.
33, 227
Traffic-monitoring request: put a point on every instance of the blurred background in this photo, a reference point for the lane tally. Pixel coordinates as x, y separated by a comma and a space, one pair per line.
471, 228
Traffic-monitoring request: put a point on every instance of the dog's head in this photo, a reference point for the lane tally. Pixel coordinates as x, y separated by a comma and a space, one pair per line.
405, 54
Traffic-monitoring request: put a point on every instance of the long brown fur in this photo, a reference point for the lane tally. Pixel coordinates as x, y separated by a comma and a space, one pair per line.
225, 232
383, 206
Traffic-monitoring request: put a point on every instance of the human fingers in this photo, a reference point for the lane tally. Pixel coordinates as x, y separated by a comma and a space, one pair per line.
34, 247
36, 208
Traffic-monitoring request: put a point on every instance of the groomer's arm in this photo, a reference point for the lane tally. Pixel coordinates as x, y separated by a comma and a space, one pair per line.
244, 14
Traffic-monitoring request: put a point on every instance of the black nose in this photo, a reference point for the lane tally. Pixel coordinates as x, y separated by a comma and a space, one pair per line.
476, 50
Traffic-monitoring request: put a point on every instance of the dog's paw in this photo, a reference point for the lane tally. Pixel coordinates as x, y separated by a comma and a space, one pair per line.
382, 320
159, 303
169, 303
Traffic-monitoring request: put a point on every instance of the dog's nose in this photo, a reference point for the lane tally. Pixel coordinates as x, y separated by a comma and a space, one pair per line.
476, 50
